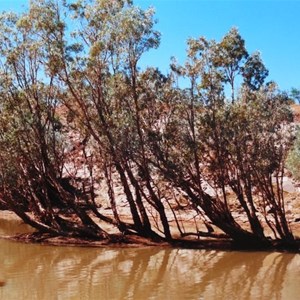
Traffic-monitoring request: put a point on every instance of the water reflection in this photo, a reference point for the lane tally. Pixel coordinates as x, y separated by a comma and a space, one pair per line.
44, 272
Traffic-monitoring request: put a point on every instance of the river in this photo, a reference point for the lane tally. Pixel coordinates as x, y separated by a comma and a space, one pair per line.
40, 272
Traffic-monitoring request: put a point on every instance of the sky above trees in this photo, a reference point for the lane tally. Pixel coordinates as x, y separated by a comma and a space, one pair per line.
269, 26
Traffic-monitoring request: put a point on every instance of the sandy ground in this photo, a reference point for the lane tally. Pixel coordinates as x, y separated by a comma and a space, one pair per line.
187, 218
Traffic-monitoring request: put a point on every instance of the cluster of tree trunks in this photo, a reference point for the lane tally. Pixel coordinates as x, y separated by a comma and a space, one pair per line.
140, 130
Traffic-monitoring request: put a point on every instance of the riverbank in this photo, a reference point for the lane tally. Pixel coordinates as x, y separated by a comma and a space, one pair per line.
24, 234
134, 241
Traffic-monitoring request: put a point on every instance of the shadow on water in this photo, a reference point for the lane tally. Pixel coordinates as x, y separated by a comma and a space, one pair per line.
46, 272
11, 227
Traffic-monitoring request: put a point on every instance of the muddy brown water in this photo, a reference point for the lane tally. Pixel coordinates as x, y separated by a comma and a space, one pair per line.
31, 271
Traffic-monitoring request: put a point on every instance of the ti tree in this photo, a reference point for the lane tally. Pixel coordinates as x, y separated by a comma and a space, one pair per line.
98, 66
229, 56
29, 124
233, 63
254, 72
218, 135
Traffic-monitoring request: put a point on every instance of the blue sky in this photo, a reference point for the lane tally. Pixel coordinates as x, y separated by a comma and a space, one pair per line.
269, 26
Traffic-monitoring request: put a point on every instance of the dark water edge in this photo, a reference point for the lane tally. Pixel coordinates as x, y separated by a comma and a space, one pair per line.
132, 241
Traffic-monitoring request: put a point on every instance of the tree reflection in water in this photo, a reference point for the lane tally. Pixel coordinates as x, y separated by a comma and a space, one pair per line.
45, 272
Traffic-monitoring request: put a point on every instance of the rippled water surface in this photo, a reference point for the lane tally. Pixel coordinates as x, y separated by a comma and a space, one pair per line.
47, 272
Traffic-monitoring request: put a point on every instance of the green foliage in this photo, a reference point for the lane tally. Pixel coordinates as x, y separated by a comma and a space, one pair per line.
254, 72
212, 65
295, 95
293, 159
